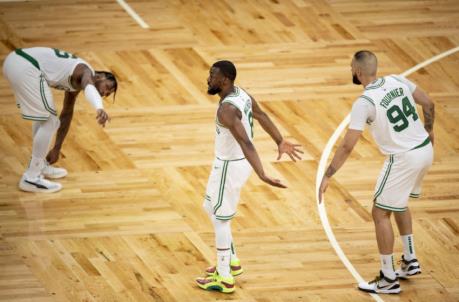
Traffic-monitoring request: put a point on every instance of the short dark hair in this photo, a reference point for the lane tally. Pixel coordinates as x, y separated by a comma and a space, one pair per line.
111, 77
363, 54
227, 68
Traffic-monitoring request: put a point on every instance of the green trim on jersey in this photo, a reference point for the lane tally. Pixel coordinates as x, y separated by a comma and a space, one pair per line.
368, 99
376, 85
222, 186
412, 195
230, 102
386, 176
29, 58
427, 141
384, 207
233, 94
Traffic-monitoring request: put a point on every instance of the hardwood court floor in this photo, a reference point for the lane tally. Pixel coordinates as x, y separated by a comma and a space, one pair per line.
128, 225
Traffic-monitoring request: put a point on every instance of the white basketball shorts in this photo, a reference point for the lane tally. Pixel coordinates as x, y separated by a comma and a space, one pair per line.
32, 93
224, 187
401, 177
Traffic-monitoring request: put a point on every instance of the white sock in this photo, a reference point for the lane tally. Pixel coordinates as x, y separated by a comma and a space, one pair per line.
387, 265
223, 263
223, 244
408, 247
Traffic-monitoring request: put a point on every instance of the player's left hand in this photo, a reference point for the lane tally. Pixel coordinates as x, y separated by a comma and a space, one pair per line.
292, 150
323, 187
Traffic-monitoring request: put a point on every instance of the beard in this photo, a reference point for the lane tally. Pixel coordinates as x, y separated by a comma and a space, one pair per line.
356, 80
213, 90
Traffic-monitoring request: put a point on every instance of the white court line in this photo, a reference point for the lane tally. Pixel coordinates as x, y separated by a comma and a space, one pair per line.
132, 13
321, 170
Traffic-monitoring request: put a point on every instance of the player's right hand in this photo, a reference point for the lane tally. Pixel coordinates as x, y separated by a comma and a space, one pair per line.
273, 182
53, 156
102, 117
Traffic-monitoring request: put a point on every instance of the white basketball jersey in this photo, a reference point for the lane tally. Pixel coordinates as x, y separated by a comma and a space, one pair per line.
397, 127
226, 146
56, 65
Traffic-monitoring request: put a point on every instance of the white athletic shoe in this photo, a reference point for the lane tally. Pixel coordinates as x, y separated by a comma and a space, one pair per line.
39, 185
381, 285
53, 172
408, 268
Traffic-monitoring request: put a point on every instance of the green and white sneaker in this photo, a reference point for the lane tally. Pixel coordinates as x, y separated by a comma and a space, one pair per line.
235, 268
381, 285
216, 282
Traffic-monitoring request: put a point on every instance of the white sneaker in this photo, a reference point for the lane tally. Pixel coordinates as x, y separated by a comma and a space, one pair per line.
381, 285
39, 185
53, 172
408, 268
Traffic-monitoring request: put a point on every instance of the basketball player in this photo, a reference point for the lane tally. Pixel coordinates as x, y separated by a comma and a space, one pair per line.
236, 156
388, 106
31, 72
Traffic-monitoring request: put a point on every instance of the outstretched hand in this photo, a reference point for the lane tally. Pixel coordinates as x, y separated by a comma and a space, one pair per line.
292, 150
272, 181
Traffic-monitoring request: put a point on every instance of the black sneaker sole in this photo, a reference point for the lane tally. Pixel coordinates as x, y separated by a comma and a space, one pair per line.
375, 292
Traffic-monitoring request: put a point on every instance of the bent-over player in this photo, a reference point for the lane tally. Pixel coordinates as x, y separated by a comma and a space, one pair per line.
31, 72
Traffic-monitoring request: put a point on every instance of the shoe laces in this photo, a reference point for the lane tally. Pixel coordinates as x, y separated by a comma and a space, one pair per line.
214, 276
375, 280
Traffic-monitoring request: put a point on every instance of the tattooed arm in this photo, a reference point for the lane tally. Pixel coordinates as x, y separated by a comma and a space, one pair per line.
342, 153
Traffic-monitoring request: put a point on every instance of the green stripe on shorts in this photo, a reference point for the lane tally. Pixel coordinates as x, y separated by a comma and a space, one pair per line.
43, 97
34, 118
386, 176
394, 209
219, 217
230, 159
222, 187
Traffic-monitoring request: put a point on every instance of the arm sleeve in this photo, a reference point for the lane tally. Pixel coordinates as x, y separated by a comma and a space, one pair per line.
362, 111
93, 96
405, 81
